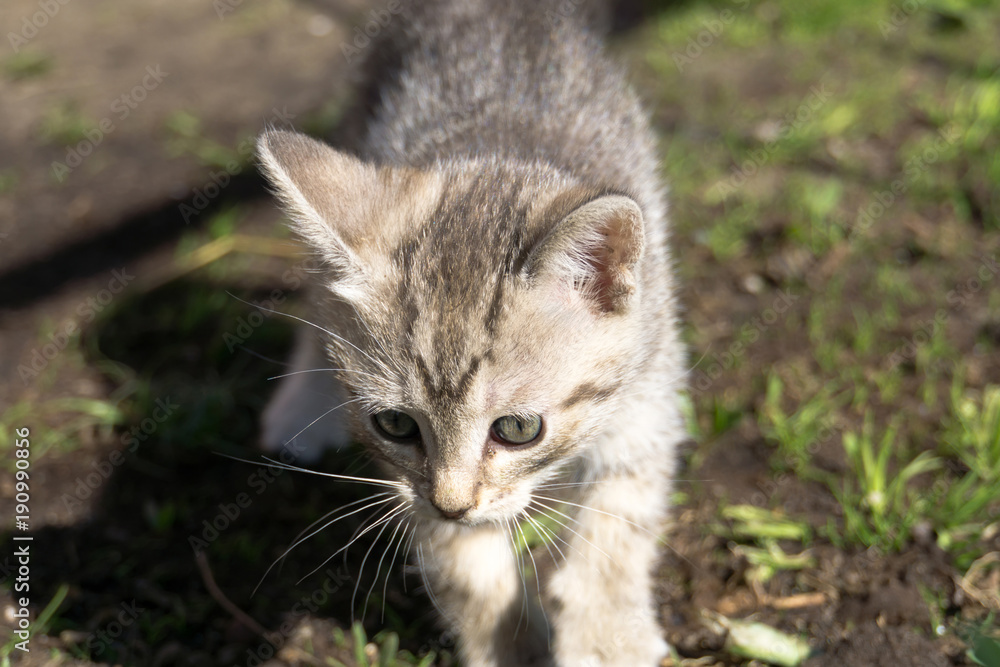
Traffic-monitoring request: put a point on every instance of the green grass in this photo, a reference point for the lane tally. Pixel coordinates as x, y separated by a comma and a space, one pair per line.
880, 501
186, 136
28, 65
381, 651
968, 508
39, 626
798, 434
861, 397
8, 180
65, 124
758, 532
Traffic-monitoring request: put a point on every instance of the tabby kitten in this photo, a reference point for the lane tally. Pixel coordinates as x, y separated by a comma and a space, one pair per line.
496, 316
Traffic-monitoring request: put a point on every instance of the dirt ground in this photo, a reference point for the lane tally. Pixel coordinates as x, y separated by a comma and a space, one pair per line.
116, 351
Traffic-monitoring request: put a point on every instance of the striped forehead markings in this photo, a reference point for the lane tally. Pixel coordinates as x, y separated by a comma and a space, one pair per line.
449, 389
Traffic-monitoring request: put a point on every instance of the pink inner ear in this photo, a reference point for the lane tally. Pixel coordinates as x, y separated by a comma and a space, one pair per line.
601, 284
611, 260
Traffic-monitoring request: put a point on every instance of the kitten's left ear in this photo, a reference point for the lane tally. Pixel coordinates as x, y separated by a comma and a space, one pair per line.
597, 249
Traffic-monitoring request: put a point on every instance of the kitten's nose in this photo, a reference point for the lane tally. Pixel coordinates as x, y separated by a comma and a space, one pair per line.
455, 514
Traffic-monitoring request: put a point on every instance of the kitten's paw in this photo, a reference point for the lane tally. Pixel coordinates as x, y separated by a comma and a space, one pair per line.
634, 643
651, 655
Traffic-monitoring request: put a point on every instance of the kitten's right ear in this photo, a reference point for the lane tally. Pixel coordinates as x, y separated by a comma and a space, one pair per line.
326, 194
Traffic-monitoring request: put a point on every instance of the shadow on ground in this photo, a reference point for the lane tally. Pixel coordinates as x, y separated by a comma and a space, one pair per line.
136, 592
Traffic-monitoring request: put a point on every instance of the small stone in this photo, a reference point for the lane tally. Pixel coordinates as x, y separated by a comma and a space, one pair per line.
319, 25
753, 284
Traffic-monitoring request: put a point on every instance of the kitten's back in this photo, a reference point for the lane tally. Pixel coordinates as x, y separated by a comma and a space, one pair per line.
515, 80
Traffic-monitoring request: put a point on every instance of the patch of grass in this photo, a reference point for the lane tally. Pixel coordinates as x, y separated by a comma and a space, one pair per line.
67, 418
28, 65
799, 433
186, 137
966, 511
974, 432
727, 235
983, 640
879, 500
723, 417
758, 523
960, 160
757, 641
765, 528
40, 626
381, 651
8, 180
814, 204
65, 124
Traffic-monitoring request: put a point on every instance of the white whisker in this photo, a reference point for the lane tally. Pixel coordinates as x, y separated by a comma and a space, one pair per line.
298, 541
426, 579
560, 485
392, 562
538, 582
520, 572
385, 524
323, 370
614, 516
408, 550
312, 324
537, 507
309, 425
354, 539
347, 478
567, 527
546, 537
344, 507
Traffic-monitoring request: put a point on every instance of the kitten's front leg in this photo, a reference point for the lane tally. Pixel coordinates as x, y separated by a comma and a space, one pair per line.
604, 614
301, 415
473, 579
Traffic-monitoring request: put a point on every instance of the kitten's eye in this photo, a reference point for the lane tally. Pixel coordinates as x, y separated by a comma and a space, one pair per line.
517, 430
396, 424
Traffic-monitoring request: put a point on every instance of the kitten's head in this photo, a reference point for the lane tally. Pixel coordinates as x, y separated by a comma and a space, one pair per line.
484, 315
